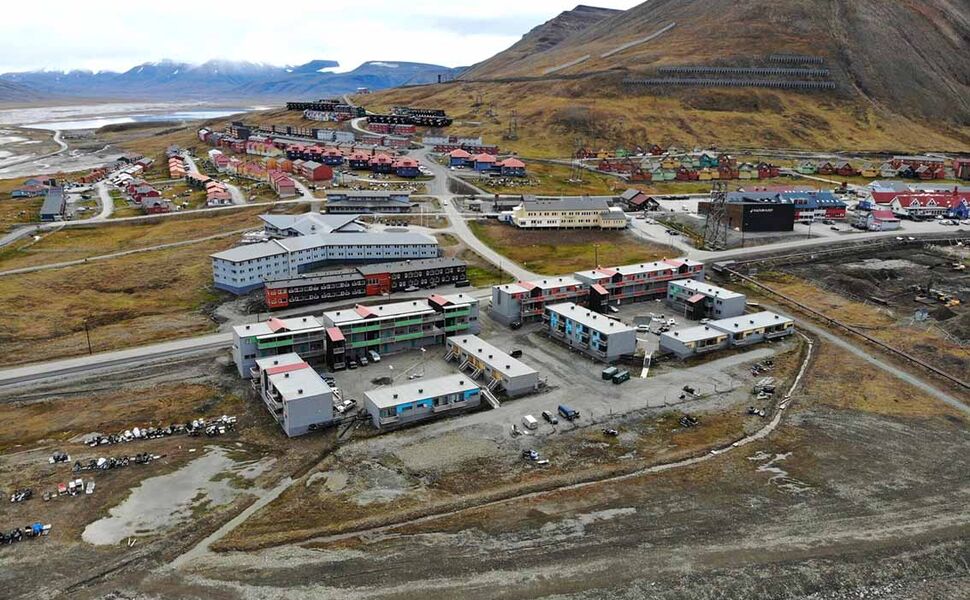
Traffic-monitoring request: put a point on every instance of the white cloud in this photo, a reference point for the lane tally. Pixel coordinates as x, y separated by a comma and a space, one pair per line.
109, 35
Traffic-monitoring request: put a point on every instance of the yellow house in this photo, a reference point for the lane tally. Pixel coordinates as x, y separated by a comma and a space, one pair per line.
704, 174
567, 213
669, 162
869, 170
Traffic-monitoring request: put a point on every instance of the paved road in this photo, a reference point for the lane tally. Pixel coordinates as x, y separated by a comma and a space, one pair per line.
107, 202
113, 360
439, 189
238, 198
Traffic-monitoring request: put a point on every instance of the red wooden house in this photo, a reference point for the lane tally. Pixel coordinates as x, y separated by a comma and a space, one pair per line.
845, 169
686, 174
768, 170
826, 168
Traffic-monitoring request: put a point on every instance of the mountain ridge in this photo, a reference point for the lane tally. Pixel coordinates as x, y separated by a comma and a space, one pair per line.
169, 79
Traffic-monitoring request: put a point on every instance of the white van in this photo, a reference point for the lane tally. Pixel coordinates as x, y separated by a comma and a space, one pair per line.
530, 422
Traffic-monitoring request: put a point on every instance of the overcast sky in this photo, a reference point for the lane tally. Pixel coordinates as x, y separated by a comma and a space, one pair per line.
115, 35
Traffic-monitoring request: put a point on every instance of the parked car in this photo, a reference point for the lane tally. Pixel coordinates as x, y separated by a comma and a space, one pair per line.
374, 356
621, 376
351, 364
550, 418
345, 405
828, 222
411, 288
568, 413
363, 361
530, 422
608, 373
515, 324
642, 328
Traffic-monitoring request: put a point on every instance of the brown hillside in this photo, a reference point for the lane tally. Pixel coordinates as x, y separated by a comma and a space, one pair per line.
911, 55
542, 39
900, 69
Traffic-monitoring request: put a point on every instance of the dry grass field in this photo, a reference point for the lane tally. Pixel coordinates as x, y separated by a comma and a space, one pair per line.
557, 252
74, 243
127, 301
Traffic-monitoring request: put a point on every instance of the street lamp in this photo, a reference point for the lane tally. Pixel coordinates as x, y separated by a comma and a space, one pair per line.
596, 251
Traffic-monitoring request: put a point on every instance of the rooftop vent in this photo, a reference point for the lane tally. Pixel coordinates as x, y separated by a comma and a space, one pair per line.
299, 391
395, 396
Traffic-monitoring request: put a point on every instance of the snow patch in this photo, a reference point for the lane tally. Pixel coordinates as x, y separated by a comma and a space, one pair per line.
384, 64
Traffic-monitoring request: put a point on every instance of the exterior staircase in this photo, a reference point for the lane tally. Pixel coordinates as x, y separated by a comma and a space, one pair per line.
490, 398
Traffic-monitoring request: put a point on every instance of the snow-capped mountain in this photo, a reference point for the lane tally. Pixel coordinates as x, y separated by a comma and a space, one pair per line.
167, 79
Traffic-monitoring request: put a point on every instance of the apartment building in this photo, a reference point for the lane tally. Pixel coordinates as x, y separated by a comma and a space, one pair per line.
738, 331
526, 300
611, 286
389, 328
284, 226
246, 268
301, 335
595, 335
567, 213
421, 400
498, 369
327, 286
295, 395
697, 300
368, 201
596, 288
367, 280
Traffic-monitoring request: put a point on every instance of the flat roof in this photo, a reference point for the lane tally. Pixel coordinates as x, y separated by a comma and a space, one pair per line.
404, 266
458, 298
311, 278
363, 312
634, 269
275, 326
53, 201
549, 283
531, 203
694, 334
322, 240
300, 382
369, 194
711, 291
750, 321
587, 318
490, 355
280, 360
250, 252
387, 397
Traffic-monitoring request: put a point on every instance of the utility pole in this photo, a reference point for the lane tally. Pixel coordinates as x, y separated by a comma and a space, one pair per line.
596, 250
87, 336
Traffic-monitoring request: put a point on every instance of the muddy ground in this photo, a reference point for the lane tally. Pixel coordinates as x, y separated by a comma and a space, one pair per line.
853, 496
888, 279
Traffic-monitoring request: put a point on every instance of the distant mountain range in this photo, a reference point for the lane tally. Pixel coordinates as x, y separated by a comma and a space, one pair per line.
172, 80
